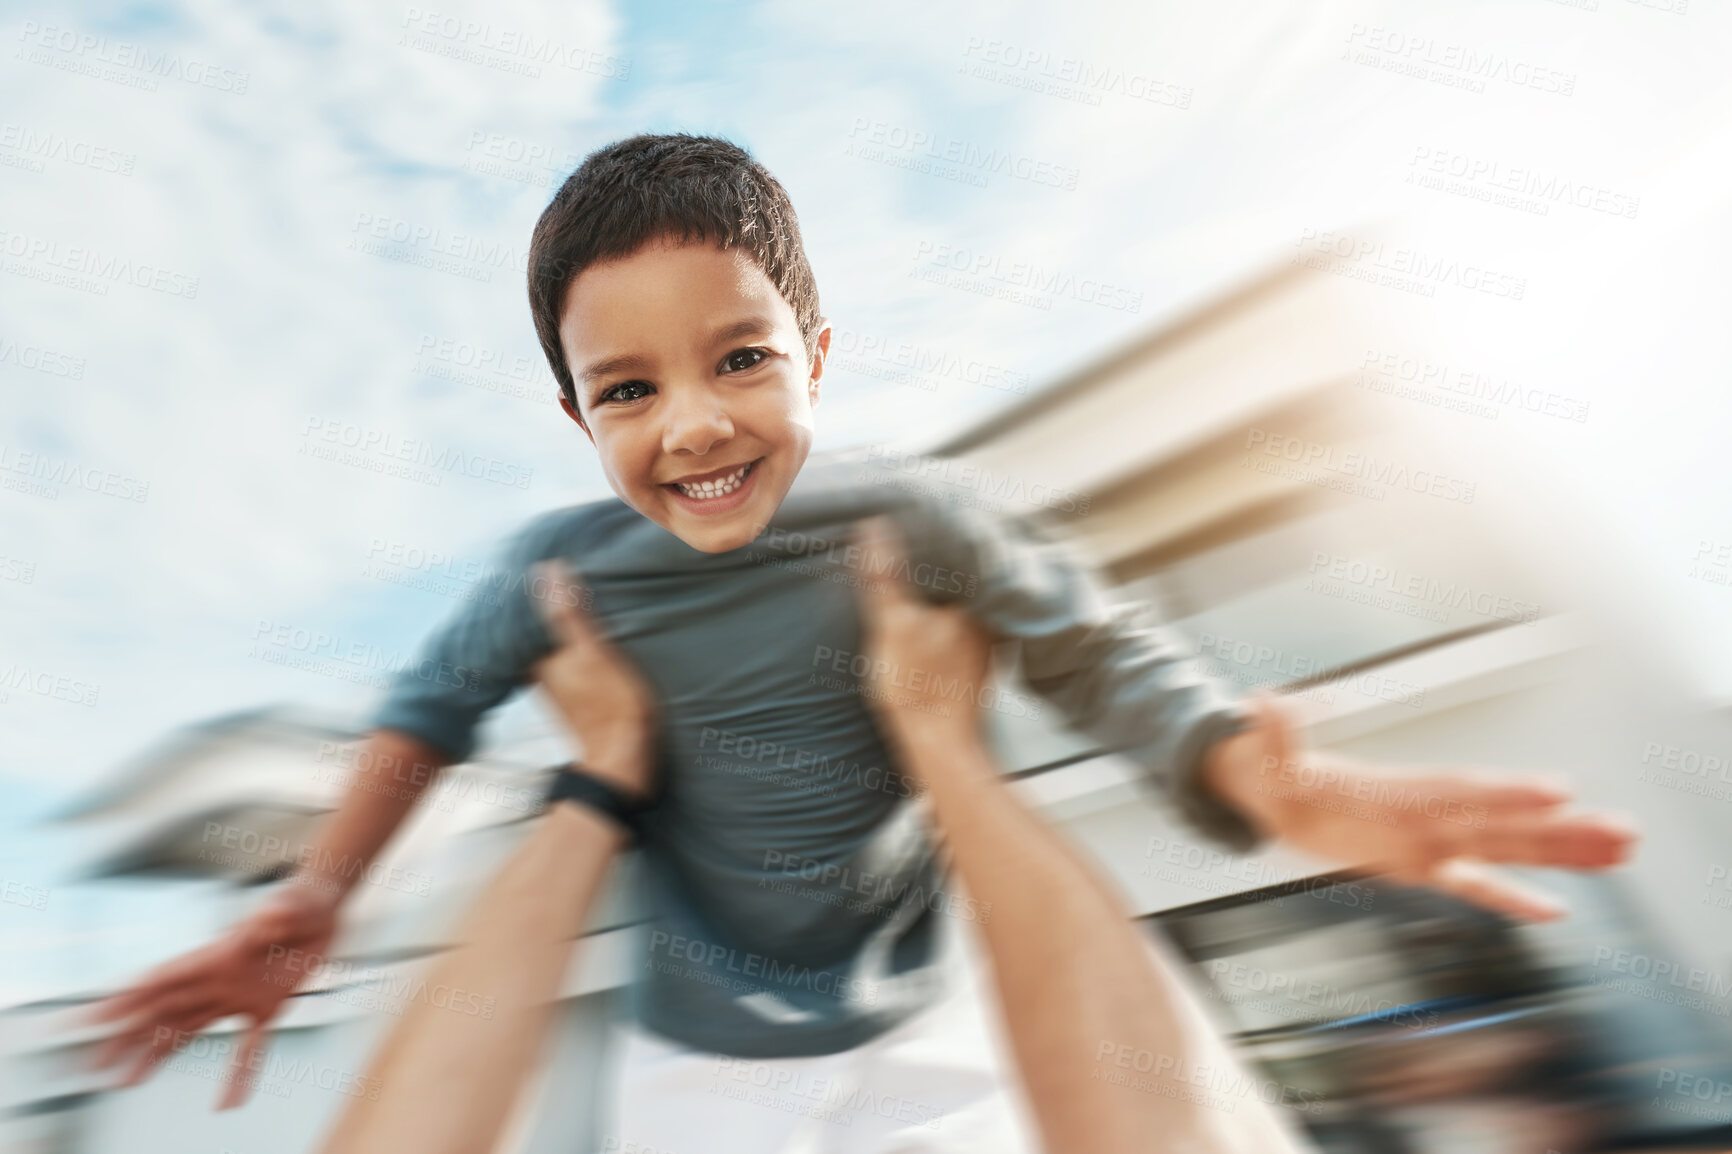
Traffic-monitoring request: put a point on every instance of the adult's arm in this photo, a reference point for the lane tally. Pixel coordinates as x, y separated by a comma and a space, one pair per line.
1078, 984
447, 1076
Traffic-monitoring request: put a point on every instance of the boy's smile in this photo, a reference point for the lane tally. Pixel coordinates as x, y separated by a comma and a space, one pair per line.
694, 385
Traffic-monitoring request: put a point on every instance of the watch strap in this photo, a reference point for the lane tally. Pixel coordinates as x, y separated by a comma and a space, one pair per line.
573, 783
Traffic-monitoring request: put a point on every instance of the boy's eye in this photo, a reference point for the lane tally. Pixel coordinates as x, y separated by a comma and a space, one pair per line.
738, 362
626, 391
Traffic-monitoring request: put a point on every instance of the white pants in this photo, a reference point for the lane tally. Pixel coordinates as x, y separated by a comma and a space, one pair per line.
940, 1081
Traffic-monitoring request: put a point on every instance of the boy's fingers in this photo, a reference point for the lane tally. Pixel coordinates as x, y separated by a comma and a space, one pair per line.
559, 601
240, 1081
1479, 886
1576, 841
153, 986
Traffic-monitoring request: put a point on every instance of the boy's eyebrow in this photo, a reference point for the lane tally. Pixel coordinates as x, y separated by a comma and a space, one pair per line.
613, 365
636, 362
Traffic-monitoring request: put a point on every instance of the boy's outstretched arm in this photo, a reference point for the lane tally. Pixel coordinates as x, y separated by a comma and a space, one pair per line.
1233, 768
253, 967
1078, 983
482, 654
1436, 829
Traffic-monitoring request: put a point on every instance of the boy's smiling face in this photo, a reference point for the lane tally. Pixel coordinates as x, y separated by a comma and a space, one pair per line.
694, 385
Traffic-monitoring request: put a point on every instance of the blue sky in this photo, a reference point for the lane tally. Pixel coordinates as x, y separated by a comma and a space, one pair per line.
264, 151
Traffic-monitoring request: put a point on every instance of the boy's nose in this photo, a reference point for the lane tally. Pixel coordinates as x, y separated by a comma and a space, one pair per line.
695, 424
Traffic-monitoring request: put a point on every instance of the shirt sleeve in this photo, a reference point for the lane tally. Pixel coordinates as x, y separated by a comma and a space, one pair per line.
1111, 672
479, 656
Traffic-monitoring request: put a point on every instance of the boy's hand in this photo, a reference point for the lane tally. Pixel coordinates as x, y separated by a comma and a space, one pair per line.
929, 662
250, 970
1435, 830
592, 686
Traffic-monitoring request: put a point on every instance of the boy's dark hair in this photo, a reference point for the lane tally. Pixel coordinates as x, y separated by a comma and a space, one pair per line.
634, 191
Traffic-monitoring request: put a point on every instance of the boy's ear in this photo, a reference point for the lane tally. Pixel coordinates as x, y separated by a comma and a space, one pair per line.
571, 411
823, 351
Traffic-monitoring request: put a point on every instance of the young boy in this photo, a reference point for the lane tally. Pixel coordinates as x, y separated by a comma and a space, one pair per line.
675, 305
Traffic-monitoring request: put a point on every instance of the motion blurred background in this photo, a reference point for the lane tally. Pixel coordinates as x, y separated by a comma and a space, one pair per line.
1381, 347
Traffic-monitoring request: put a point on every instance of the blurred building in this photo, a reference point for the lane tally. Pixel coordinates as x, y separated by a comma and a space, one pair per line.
1301, 481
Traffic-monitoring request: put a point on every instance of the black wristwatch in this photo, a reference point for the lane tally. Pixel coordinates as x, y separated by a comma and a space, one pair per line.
574, 783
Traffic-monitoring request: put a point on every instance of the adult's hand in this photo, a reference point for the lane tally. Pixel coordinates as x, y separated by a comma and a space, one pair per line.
592, 686
928, 663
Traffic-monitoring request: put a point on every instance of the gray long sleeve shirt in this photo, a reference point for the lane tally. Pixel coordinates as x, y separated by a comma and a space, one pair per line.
791, 879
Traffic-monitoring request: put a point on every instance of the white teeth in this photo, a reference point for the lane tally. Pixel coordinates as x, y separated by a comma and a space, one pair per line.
707, 490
